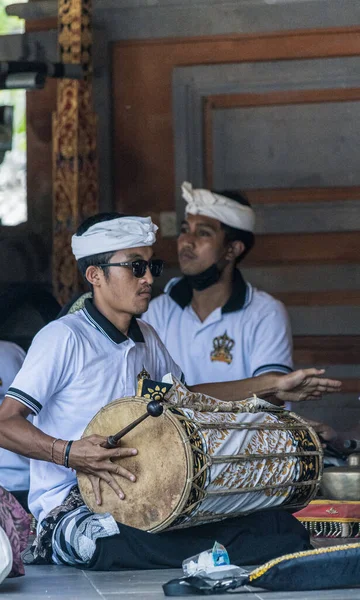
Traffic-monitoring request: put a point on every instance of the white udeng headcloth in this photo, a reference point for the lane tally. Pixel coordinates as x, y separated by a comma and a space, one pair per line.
117, 234
225, 210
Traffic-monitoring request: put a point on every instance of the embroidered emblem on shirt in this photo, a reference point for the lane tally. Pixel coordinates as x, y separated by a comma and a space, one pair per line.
222, 349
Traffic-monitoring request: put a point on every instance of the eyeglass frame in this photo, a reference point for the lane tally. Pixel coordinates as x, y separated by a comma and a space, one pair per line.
130, 265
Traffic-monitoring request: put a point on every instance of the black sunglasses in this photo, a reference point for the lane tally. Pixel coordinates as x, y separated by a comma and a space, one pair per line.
139, 267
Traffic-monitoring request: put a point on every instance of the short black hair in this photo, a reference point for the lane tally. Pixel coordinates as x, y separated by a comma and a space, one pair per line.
231, 233
96, 259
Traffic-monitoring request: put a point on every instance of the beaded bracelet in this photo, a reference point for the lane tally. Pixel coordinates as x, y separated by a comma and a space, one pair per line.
67, 453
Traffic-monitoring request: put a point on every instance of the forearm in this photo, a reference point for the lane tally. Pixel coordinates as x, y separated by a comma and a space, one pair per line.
264, 386
19, 435
88, 455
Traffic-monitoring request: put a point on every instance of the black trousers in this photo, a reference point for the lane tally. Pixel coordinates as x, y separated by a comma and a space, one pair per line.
249, 540
22, 497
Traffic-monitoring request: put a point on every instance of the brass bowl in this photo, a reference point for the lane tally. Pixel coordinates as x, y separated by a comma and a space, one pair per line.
341, 483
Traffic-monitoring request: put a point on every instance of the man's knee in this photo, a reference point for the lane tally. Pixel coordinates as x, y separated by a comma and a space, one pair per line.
75, 536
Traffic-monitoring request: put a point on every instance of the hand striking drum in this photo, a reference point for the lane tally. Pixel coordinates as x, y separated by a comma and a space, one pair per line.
195, 467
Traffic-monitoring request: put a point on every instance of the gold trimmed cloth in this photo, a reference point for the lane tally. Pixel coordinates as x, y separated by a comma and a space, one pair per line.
320, 569
331, 518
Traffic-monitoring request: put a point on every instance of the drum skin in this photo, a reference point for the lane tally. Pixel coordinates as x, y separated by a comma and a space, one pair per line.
163, 467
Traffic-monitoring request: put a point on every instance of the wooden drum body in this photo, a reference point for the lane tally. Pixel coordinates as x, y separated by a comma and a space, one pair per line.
194, 467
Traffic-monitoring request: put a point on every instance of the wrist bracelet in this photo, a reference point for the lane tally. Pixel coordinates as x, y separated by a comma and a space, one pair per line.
52, 449
63, 454
67, 453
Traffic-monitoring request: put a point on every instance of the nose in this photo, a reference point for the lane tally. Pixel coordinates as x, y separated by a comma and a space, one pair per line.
148, 277
186, 239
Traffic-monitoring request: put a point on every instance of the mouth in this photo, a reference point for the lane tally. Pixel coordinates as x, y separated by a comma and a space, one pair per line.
187, 255
145, 294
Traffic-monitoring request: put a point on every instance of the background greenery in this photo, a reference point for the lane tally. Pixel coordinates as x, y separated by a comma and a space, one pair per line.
13, 208
17, 98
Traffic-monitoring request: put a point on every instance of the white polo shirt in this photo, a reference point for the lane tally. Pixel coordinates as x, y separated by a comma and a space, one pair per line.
75, 366
249, 336
14, 469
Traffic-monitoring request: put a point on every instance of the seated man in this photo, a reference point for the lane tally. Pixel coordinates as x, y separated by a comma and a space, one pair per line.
14, 469
215, 325
83, 361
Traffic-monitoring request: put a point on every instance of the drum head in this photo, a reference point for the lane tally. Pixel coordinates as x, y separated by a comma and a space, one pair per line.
162, 467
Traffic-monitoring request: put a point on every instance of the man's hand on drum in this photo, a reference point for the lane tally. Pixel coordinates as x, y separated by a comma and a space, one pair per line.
305, 384
89, 456
325, 432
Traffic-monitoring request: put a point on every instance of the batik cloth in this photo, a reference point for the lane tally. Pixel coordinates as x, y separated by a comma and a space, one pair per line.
16, 524
68, 534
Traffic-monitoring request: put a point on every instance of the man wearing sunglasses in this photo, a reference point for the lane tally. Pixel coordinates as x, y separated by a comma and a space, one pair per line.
79, 363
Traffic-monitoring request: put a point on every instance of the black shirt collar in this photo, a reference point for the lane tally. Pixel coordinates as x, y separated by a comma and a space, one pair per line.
105, 326
182, 293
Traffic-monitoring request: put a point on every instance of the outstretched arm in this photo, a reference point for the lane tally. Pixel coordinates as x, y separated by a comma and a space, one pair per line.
305, 384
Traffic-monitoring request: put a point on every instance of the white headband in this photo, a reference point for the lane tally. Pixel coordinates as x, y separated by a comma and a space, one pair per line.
117, 234
225, 210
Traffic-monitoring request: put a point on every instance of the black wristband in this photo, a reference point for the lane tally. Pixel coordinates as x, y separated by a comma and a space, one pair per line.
67, 453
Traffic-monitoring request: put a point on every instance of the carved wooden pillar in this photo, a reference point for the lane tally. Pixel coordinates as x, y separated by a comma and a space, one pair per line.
75, 181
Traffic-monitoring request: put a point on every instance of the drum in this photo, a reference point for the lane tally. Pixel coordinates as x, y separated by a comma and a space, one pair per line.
194, 467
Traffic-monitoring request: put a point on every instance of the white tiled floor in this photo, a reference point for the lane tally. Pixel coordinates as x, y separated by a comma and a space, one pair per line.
62, 582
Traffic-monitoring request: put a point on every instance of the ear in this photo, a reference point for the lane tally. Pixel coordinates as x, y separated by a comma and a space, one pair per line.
235, 249
94, 275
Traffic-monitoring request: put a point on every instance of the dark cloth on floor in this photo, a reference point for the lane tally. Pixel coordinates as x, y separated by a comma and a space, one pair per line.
252, 539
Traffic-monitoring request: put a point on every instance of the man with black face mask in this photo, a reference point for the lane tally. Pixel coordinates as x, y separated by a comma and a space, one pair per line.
216, 326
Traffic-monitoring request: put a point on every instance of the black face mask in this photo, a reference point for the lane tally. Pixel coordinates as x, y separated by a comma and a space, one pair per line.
203, 280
